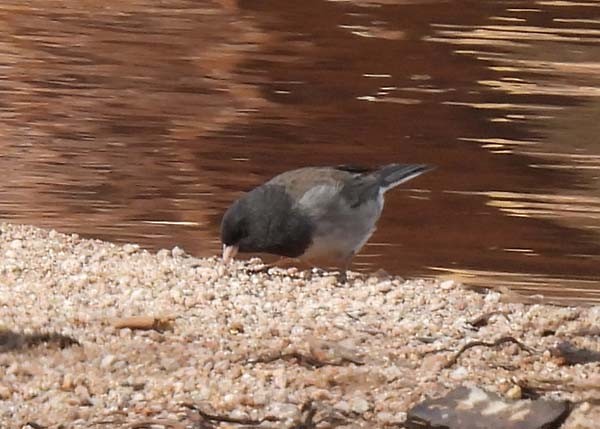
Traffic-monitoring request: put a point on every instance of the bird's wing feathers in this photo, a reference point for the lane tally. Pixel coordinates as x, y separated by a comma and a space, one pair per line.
317, 188
298, 182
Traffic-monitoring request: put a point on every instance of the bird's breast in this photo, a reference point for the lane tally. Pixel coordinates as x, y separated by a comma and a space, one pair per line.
341, 230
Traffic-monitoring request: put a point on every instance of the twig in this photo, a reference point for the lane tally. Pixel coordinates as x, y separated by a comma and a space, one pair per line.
152, 422
551, 385
305, 360
477, 343
483, 319
308, 422
108, 422
356, 319
370, 331
35, 425
228, 419
366, 330
440, 350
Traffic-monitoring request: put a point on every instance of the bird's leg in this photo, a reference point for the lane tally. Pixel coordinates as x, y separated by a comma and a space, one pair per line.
343, 277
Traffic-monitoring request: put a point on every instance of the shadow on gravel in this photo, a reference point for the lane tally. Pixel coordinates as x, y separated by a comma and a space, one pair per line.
11, 340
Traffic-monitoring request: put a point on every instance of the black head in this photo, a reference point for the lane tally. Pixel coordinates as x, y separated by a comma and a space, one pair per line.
234, 226
264, 220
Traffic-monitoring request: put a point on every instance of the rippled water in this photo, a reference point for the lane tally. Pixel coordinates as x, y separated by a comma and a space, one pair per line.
141, 121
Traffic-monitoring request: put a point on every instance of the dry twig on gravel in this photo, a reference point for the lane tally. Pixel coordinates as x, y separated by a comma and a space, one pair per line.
148, 424
483, 319
309, 412
304, 360
33, 425
227, 419
478, 343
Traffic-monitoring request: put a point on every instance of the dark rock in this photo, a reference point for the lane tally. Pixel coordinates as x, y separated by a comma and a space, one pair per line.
474, 408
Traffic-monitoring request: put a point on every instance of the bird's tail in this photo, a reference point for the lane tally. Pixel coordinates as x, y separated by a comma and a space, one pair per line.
392, 175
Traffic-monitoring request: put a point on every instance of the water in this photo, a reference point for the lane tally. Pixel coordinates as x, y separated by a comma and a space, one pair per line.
141, 121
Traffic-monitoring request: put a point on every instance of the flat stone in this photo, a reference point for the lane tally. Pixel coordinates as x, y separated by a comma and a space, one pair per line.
475, 408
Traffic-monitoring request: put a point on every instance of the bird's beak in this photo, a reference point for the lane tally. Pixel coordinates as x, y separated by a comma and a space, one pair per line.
229, 253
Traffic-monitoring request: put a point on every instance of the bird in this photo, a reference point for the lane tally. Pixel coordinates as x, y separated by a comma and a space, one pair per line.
314, 214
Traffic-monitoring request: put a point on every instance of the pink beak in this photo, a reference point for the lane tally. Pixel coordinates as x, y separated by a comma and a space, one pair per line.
229, 253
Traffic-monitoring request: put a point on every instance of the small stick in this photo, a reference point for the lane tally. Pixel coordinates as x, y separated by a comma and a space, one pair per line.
35, 425
477, 343
152, 422
305, 360
484, 318
308, 422
228, 419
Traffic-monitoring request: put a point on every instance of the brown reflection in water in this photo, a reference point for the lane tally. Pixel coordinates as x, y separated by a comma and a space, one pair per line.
416, 99
103, 109
554, 59
143, 121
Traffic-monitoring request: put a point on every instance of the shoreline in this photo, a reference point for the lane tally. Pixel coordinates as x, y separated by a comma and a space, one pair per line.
152, 332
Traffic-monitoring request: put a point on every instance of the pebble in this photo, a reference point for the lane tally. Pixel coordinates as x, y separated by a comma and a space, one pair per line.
177, 252
385, 417
359, 405
284, 410
459, 373
16, 244
514, 392
130, 248
343, 406
68, 382
447, 285
5, 392
107, 361
83, 393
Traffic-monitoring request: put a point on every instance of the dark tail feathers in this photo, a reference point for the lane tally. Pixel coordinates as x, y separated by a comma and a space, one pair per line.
392, 175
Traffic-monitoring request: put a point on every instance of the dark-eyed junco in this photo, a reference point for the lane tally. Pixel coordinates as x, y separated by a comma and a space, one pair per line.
320, 214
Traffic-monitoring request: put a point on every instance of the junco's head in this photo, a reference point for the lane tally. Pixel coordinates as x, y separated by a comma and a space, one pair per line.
265, 221
313, 213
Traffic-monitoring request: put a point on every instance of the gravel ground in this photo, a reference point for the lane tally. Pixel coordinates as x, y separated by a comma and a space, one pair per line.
236, 342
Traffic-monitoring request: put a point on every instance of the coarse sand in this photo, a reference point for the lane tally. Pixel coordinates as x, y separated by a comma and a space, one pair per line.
94, 334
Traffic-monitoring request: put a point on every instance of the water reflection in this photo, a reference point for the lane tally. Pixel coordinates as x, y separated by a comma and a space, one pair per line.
143, 121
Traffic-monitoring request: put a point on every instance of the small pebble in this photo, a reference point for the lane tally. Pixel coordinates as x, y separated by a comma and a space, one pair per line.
107, 361
177, 252
514, 392
130, 248
359, 405
5, 392
16, 244
459, 373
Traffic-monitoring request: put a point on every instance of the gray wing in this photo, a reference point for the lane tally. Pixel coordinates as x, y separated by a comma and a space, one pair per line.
320, 189
299, 182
